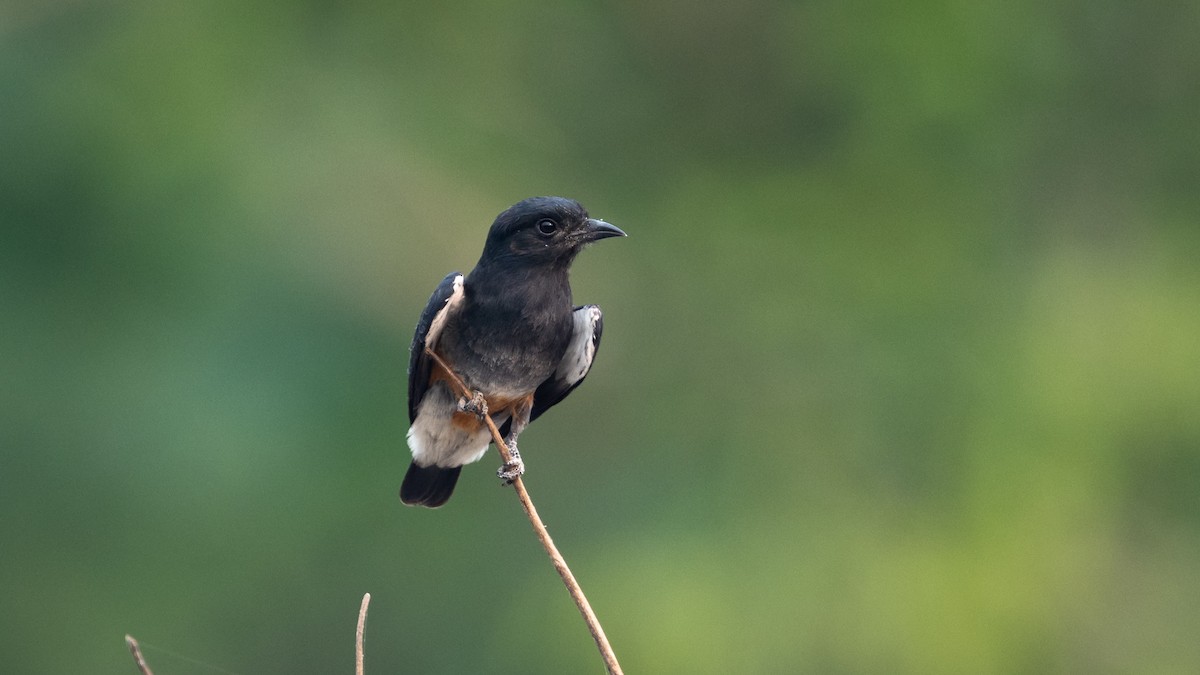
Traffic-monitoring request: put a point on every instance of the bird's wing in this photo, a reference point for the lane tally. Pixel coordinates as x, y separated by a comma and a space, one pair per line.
575, 364
445, 301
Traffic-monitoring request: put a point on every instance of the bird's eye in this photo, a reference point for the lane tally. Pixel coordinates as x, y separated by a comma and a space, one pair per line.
547, 226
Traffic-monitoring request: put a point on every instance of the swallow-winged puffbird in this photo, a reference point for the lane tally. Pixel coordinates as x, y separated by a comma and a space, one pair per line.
510, 332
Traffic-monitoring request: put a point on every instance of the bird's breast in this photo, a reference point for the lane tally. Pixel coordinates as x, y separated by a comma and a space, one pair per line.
506, 351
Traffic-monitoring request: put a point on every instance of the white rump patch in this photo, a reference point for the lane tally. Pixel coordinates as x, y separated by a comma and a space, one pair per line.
435, 440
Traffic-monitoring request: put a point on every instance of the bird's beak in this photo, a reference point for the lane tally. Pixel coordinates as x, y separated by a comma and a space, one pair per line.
598, 229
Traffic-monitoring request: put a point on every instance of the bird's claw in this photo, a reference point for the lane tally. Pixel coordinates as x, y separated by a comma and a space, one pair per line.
514, 468
476, 405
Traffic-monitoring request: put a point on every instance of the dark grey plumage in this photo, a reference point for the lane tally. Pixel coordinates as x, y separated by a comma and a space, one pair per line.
510, 331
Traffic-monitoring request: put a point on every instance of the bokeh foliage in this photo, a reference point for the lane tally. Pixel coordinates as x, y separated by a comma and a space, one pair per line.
900, 371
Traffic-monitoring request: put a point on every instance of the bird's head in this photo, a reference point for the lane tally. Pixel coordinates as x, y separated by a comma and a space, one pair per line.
544, 231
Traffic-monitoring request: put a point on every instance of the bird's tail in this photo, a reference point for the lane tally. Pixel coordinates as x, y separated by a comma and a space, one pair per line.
428, 486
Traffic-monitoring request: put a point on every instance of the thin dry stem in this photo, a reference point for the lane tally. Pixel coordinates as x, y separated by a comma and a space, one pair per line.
136, 650
358, 634
560, 564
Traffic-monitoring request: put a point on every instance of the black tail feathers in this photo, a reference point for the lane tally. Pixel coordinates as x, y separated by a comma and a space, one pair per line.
428, 486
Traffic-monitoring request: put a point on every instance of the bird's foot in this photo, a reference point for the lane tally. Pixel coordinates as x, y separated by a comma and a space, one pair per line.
514, 467
476, 405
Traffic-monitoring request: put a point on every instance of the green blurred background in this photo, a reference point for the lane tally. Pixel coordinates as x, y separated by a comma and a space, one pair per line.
900, 370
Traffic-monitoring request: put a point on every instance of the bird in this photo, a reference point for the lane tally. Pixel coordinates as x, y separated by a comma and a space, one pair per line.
510, 331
